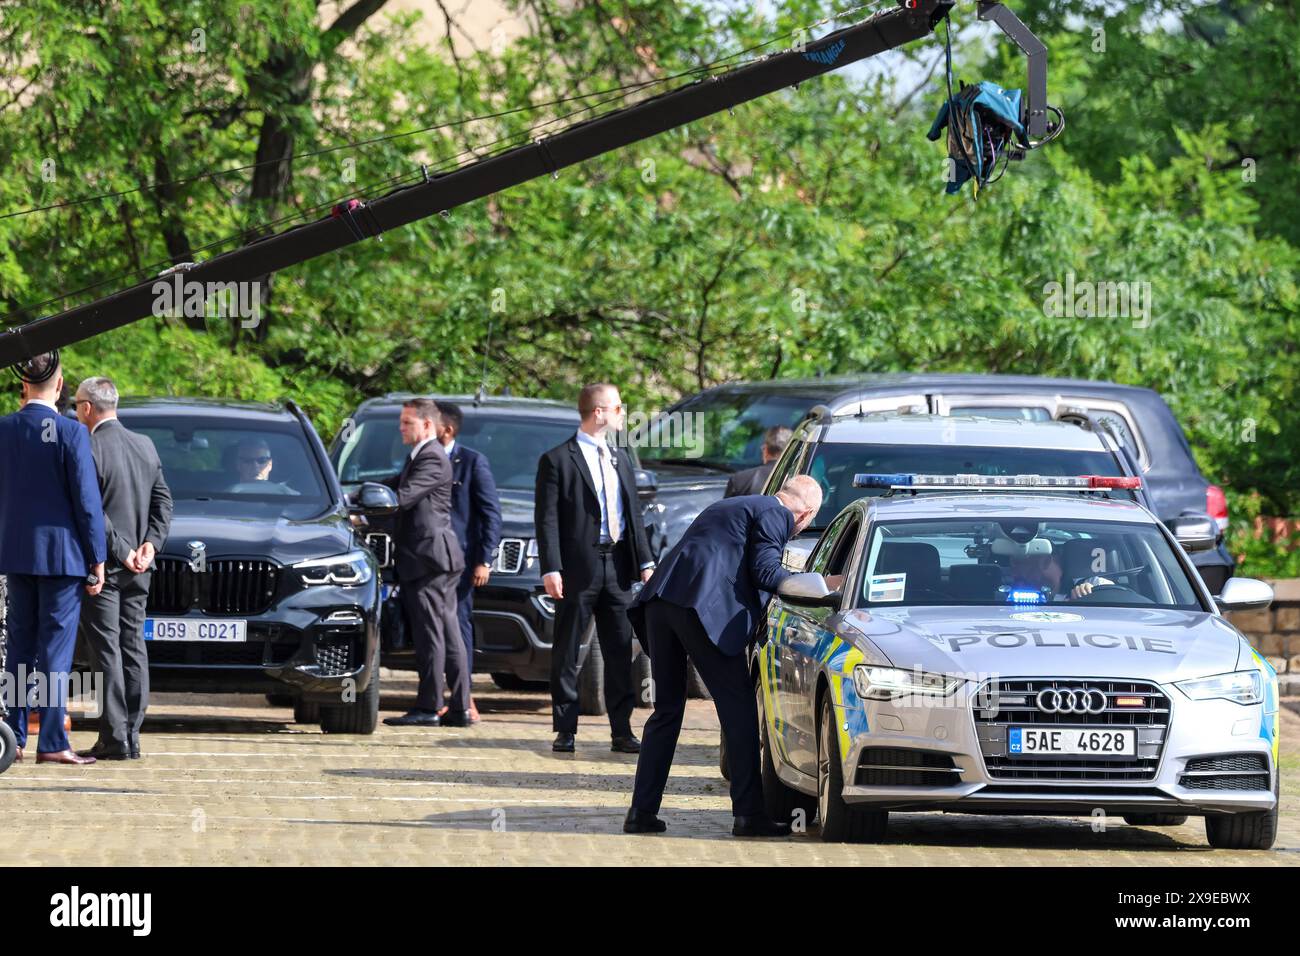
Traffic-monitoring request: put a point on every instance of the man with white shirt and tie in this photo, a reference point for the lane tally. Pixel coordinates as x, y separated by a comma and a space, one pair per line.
593, 549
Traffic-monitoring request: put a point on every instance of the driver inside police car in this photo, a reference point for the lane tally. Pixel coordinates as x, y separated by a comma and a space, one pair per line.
1042, 569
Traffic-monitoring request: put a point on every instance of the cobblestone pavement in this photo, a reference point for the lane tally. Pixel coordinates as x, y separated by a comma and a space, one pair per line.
232, 780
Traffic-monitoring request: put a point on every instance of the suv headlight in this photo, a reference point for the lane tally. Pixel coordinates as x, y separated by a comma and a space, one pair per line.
1241, 687
344, 570
886, 683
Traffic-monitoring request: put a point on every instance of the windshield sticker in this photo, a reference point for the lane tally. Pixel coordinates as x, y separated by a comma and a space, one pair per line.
1047, 617
887, 587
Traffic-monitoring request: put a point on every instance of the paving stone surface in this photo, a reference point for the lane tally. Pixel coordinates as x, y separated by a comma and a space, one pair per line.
232, 780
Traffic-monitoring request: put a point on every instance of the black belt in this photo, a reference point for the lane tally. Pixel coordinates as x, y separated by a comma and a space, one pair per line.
607, 547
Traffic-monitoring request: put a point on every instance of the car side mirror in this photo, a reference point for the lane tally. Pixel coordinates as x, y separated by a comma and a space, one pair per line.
1195, 532
1244, 594
647, 484
373, 498
808, 589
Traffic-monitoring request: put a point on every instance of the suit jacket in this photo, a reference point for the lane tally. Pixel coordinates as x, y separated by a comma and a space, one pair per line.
137, 501
725, 567
425, 540
475, 507
750, 481
567, 514
51, 516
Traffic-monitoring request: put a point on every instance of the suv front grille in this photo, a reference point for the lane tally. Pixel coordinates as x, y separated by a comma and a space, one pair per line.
1014, 700
510, 556
898, 767
1228, 772
225, 587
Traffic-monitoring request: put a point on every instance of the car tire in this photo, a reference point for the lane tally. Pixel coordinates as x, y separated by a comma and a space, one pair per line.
1244, 831
642, 680
359, 717
1155, 819
840, 823
8, 746
509, 681
781, 802
695, 688
591, 678
280, 700
306, 712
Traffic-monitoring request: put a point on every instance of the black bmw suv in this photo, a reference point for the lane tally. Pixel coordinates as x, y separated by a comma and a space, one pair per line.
513, 616
264, 584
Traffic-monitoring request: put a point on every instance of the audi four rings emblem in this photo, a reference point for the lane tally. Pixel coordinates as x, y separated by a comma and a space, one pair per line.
1083, 700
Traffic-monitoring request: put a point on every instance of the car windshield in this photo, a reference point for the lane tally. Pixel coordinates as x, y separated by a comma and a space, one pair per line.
1024, 562
233, 460
513, 444
834, 464
720, 430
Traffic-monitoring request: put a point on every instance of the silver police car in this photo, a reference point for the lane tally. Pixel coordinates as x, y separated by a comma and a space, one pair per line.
1014, 645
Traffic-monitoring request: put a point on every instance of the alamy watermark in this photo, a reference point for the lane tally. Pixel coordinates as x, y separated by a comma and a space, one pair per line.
1085, 299
177, 297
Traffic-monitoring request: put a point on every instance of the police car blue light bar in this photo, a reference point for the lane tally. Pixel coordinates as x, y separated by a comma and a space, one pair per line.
1035, 482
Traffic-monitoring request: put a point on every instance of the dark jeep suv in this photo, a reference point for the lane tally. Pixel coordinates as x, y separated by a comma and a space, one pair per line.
513, 616
263, 585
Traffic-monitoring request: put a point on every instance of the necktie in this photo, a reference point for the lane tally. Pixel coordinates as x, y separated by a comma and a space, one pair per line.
609, 480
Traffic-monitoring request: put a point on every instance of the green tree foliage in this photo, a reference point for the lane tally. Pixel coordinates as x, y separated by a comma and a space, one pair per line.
807, 232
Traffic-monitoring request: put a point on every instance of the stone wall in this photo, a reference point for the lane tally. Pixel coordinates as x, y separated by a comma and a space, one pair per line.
1276, 632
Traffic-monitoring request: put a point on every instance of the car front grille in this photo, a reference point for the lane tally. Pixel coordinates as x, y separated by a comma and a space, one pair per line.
1226, 772
190, 654
1006, 703
223, 587
333, 658
510, 556
899, 767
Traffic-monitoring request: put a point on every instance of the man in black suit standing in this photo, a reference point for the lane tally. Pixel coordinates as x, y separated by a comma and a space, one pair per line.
476, 516
751, 481
593, 548
705, 603
137, 514
429, 564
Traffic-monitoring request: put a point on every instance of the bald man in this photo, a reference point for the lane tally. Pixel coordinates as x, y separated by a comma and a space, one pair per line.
705, 603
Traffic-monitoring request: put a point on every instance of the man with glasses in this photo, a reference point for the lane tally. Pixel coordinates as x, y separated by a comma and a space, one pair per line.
253, 463
593, 548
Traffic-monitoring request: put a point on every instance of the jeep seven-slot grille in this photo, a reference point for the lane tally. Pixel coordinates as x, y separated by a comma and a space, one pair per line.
223, 587
898, 767
1009, 703
1226, 772
510, 556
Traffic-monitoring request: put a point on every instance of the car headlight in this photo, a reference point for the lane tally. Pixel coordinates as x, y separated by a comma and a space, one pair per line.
344, 570
531, 551
1241, 687
886, 683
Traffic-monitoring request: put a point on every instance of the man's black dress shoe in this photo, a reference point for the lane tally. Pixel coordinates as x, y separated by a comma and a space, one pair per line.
415, 718
625, 745
564, 743
639, 822
134, 746
457, 718
100, 752
759, 827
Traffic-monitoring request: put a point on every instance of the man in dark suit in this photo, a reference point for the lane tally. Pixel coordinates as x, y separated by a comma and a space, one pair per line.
51, 548
593, 549
476, 516
429, 563
705, 603
137, 514
752, 481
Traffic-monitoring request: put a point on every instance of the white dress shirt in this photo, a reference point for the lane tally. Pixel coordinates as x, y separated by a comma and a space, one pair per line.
418, 445
590, 448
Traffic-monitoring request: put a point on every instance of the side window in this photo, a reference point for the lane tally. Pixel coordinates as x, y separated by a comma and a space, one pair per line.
827, 548
842, 554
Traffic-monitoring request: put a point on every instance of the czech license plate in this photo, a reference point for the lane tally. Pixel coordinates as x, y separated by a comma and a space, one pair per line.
194, 630
1071, 741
